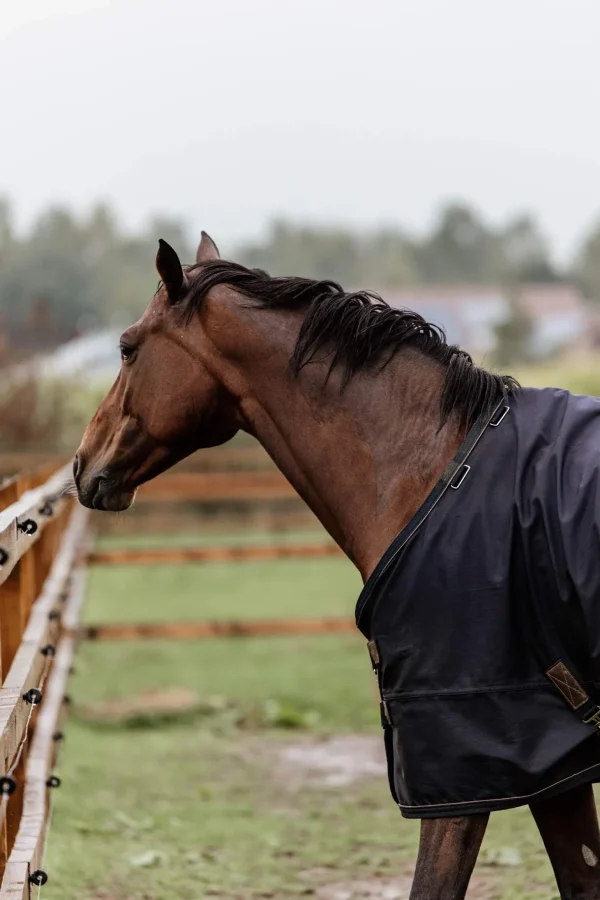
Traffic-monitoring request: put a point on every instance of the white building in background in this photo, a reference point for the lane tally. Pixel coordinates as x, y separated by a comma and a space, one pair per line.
91, 358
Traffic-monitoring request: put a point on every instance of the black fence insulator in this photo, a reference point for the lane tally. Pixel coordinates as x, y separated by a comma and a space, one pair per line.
53, 781
8, 785
46, 509
58, 736
3, 556
48, 650
33, 696
67, 700
53, 615
28, 526
39, 877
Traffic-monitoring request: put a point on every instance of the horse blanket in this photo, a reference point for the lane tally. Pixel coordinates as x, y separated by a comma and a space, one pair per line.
491, 590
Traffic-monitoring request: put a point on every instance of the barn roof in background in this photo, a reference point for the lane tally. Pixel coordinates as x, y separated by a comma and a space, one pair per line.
469, 314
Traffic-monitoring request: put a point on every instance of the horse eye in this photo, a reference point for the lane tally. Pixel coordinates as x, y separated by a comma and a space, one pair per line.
127, 353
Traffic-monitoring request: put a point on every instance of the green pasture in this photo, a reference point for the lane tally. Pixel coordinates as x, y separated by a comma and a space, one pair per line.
200, 801
580, 376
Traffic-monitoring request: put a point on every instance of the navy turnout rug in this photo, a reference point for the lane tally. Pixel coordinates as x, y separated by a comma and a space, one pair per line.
483, 616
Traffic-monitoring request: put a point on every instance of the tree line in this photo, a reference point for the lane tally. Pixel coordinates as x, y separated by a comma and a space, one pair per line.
67, 273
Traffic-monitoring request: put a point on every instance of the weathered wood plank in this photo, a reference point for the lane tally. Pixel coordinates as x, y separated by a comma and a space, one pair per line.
10, 600
225, 458
171, 555
76, 599
28, 851
29, 662
28, 461
9, 492
216, 628
17, 534
28, 847
217, 486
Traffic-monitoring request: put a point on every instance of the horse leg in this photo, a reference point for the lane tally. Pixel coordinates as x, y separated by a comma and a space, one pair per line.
568, 825
447, 853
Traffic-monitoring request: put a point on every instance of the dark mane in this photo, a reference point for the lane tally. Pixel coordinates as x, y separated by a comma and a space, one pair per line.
357, 330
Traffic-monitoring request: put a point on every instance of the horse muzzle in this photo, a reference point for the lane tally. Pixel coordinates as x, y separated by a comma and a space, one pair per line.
101, 489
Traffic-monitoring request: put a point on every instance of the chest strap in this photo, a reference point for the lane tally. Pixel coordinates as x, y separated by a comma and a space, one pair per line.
376, 663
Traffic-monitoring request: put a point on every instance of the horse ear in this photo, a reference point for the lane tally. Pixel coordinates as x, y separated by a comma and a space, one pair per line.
169, 269
207, 249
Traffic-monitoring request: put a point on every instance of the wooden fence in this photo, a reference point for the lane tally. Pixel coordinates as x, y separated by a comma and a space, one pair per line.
171, 555
246, 458
42, 534
45, 548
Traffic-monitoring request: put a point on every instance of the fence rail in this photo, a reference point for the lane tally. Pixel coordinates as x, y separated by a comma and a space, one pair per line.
41, 533
218, 486
214, 628
171, 555
224, 459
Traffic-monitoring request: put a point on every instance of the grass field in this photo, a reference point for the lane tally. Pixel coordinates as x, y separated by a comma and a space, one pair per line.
231, 796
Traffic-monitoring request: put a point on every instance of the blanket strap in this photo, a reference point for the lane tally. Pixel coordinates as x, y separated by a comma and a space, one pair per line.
386, 721
376, 663
575, 694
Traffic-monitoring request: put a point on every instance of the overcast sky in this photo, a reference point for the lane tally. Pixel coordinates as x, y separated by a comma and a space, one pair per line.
230, 112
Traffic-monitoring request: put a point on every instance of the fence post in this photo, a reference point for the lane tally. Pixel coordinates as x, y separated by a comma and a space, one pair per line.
10, 637
16, 595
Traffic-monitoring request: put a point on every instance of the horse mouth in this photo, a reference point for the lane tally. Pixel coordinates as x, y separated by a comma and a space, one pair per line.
103, 494
113, 501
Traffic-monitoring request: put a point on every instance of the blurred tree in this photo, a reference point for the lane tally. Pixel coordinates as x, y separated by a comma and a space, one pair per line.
172, 231
381, 258
513, 334
85, 272
6, 229
461, 249
48, 264
587, 265
298, 250
100, 234
387, 260
525, 251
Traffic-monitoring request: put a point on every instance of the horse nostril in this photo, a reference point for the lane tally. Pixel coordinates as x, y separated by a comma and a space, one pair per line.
77, 466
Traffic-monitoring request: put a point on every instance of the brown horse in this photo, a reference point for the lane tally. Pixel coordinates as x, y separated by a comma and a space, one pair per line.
360, 406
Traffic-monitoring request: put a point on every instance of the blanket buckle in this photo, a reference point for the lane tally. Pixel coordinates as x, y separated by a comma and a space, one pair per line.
386, 713
593, 718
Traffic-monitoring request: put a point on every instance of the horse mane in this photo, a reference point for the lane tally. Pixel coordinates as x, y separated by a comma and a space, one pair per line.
358, 330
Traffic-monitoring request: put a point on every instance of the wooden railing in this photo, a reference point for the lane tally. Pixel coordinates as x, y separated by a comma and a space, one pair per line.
171, 555
246, 458
41, 587
218, 486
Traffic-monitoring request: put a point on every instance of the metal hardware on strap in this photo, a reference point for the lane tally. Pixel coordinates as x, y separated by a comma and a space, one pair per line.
575, 694
374, 654
593, 718
499, 416
460, 477
386, 719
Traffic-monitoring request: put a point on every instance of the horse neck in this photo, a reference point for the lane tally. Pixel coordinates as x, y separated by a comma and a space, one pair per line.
363, 458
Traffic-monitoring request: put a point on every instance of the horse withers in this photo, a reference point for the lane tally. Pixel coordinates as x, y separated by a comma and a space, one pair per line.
466, 503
